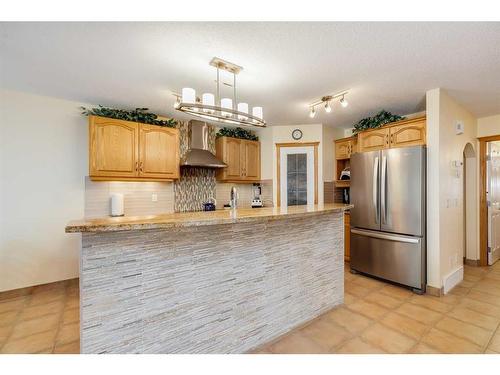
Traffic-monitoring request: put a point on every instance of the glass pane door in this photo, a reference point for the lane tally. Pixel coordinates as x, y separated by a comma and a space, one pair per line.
296, 176
296, 179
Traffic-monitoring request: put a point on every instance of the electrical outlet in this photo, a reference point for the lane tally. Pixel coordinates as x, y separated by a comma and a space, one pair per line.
154, 197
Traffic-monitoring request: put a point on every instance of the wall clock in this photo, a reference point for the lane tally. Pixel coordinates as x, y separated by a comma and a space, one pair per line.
297, 134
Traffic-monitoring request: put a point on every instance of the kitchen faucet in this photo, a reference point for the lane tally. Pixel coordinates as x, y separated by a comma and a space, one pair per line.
234, 198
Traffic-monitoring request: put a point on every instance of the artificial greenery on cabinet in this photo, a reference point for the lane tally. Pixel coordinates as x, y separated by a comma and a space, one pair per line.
239, 133
380, 119
138, 115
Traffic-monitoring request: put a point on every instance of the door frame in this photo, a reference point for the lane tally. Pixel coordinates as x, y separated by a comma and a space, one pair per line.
483, 207
278, 158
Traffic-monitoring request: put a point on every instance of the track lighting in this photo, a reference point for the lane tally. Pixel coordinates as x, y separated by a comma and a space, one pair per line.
326, 101
328, 109
343, 102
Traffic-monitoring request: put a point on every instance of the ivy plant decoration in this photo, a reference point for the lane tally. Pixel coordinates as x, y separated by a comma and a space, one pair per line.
237, 133
138, 115
381, 118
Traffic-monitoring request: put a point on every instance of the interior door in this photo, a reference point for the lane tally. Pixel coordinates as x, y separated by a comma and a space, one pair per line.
296, 176
402, 189
365, 190
493, 199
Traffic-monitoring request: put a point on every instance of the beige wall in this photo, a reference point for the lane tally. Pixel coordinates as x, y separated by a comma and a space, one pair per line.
43, 161
445, 216
487, 126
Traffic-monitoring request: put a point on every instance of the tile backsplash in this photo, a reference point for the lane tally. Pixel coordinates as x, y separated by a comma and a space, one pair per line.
245, 193
137, 197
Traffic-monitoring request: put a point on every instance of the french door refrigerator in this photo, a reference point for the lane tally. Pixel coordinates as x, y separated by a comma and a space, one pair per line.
388, 219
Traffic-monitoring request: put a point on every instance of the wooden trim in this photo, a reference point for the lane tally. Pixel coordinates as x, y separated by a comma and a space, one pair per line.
483, 207
134, 179
278, 163
296, 144
433, 291
472, 262
490, 138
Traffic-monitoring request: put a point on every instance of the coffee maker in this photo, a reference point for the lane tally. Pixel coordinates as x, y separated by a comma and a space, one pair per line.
257, 193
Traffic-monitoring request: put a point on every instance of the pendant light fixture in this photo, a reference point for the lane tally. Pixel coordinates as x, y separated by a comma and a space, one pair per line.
213, 107
327, 100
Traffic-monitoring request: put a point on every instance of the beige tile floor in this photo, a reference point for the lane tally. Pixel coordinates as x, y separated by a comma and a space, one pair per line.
382, 318
376, 318
42, 319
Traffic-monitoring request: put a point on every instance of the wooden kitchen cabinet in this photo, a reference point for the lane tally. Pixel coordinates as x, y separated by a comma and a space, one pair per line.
242, 158
158, 152
372, 140
128, 151
345, 147
113, 148
408, 133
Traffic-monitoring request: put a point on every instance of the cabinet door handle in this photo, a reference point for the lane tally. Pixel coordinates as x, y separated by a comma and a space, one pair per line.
136, 166
140, 166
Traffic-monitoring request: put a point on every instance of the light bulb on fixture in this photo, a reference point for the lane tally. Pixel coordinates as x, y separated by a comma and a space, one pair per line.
312, 113
343, 102
328, 109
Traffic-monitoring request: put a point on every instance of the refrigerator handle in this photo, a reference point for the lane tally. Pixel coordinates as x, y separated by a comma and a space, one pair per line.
383, 193
385, 236
375, 190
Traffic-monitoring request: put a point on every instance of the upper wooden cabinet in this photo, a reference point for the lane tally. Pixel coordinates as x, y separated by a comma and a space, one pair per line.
242, 158
129, 151
372, 140
158, 152
345, 147
404, 133
408, 134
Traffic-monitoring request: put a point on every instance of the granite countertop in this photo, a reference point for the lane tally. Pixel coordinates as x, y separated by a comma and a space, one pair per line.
188, 219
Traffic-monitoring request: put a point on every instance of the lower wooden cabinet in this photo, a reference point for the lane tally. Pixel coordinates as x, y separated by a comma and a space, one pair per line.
347, 236
128, 151
242, 158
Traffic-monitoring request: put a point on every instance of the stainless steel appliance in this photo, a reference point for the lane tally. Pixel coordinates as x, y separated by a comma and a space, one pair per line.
198, 154
388, 219
257, 193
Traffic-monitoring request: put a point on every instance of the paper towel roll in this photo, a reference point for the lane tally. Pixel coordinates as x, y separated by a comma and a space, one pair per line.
117, 204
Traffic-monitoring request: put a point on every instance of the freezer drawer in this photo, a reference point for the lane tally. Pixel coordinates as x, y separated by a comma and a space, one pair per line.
400, 259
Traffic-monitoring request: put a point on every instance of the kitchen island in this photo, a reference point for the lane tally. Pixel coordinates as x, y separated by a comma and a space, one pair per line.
225, 281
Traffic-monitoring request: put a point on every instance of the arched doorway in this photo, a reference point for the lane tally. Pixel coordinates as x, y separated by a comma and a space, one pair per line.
470, 224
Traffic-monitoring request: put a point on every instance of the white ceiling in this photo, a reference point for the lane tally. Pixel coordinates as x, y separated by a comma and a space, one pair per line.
286, 65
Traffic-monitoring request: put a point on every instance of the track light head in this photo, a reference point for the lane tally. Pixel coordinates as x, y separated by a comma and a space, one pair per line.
312, 112
328, 108
343, 102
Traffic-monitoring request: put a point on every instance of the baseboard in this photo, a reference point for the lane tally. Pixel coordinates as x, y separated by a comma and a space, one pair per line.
453, 279
433, 291
472, 262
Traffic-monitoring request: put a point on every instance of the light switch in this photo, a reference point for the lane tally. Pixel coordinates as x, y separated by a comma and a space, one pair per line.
154, 197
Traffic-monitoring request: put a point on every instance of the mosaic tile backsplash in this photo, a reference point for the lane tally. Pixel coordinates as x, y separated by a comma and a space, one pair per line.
195, 185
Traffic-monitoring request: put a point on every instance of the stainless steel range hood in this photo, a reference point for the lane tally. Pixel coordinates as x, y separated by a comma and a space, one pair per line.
198, 154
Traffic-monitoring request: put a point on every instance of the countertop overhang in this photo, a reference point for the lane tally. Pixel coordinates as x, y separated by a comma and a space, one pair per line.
192, 219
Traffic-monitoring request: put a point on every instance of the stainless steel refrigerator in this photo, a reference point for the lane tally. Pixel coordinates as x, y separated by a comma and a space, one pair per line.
388, 219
